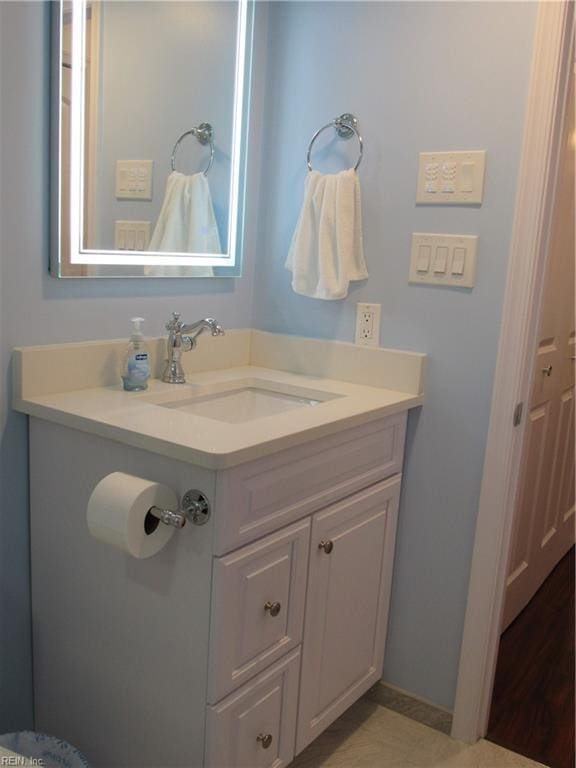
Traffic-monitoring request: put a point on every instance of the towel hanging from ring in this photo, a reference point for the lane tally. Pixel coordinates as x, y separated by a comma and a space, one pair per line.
326, 252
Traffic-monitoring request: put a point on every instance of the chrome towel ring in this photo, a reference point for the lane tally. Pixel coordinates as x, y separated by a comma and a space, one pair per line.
345, 126
205, 135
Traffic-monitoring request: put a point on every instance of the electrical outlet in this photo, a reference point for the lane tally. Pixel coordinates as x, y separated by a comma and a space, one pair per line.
368, 324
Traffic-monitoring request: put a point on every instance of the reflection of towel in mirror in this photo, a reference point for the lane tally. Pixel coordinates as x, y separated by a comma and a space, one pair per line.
186, 224
326, 250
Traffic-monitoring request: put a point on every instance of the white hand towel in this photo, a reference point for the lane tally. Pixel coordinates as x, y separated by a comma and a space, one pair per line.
186, 223
326, 251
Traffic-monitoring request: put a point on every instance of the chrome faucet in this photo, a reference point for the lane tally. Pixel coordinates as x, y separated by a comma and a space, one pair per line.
180, 340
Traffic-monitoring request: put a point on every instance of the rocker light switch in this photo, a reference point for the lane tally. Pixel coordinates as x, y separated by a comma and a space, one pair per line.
440, 259
467, 177
458, 260
423, 264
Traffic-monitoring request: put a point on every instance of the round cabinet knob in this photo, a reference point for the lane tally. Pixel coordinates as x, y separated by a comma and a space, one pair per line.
327, 546
273, 609
264, 740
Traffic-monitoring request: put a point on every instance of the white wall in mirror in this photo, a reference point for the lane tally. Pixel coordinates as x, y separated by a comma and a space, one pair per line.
150, 93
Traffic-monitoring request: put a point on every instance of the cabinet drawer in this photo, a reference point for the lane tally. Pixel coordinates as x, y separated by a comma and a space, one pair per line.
257, 607
264, 495
255, 727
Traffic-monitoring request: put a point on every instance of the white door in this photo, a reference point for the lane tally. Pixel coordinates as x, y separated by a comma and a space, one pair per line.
544, 516
350, 573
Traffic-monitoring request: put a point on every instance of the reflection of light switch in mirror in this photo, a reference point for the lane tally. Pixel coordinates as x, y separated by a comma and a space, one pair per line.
134, 180
131, 235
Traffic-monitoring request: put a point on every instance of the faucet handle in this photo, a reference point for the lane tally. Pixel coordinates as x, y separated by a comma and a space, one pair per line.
174, 324
215, 327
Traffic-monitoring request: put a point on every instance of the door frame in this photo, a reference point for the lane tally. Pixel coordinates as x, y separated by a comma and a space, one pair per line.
551, 63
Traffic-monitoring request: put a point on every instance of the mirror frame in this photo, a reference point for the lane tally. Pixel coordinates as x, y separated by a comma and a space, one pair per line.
124, 263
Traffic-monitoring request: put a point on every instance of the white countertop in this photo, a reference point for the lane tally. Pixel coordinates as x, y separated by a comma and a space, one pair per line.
78, 385
130, 417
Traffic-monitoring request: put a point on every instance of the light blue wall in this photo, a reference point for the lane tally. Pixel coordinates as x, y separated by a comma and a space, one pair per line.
419, 76
37, 309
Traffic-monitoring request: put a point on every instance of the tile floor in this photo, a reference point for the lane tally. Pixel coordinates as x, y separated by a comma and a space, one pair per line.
371, 736
416, 709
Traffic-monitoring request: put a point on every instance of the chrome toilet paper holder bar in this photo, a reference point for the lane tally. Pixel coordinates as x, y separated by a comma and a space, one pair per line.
195, 508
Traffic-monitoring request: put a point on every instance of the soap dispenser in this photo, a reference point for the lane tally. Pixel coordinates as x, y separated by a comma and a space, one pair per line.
136, 366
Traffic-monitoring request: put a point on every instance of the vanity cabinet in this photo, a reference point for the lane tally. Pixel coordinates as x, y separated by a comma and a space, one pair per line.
257, 614
321, 585
244, 638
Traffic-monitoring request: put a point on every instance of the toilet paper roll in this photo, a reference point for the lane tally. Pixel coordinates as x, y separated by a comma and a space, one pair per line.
117, 511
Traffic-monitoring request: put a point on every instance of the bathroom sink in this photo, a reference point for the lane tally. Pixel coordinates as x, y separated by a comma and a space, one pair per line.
241, 401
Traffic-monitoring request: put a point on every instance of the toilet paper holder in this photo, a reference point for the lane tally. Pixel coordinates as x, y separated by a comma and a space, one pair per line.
194, 508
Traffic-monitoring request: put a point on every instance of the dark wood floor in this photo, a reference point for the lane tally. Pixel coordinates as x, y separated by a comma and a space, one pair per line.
533, 702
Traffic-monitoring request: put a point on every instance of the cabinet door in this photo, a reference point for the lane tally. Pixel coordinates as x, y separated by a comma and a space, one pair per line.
255, 726
351, 557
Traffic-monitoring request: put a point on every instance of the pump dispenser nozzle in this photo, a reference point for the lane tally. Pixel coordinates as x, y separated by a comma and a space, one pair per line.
136, 326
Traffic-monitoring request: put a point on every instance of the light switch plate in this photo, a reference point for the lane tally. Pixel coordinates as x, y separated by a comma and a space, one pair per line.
131, 235
443, 259
134, 179
451, 177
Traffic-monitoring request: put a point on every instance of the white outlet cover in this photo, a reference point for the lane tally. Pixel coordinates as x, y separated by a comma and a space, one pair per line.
368, 324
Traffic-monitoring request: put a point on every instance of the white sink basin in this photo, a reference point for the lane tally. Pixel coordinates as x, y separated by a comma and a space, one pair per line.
246, 400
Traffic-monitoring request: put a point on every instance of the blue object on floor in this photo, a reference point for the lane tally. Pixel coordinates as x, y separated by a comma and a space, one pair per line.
54, 753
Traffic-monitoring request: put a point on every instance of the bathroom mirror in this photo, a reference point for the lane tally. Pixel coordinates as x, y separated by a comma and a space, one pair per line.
150, 101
